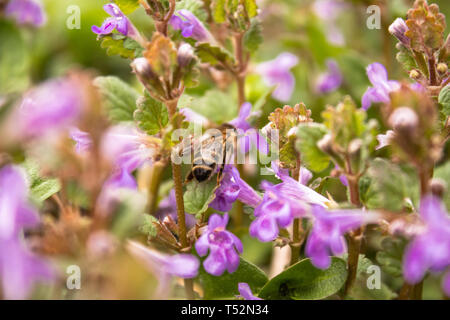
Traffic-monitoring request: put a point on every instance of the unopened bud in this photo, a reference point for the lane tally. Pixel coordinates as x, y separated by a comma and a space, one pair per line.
442, 68
403, 118
326, 144
398, 29
415, 74
185, 55
143, 69
438, 187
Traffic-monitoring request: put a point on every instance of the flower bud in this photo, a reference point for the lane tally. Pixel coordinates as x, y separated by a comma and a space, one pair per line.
442, 68
438, 187
404, 119
398, 29
143, 69
326, 144
415, 74
185, 55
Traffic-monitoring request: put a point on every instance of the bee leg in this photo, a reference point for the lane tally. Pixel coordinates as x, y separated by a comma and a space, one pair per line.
220, 173
189, 178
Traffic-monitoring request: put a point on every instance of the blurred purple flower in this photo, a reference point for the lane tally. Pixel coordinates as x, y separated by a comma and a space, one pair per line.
233, 188
331, 80
245, 292
328, 11
398, 29
15, 211
247, 135
180, 265
381, 86
431, 249
190, 26
277, 73
26, 12
19, 268
83, 141
327, 234
52, 106
222, 246
168, 207
281, 204
192, 116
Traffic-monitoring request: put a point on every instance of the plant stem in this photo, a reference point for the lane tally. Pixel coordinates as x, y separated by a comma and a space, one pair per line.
154, 181
178, 182
432, 69
296, 237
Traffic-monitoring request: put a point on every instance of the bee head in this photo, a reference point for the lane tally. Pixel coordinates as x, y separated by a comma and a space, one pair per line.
202, 173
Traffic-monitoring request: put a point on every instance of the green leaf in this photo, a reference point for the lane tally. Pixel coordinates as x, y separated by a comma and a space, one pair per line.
303, 281
219, 11
251, 8
405, 59
288, 154
226, 285
120, 45
151, 115
148, 226
308, 137
213, 55
199, 195
253, 37
14, 60
127, 6
444, 100
443, 173
388, 186
119, 97
391, 255
41, 188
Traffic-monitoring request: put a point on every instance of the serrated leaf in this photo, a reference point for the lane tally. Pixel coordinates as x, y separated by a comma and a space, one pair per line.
41, 188
253, 37
388, 186
288, 155
303, 281
127, 6
14, 60
119, 98
308, 137
406, 60
151, 115
226, 286
444, 100
208, 53
199, 195
391, 255
117, 44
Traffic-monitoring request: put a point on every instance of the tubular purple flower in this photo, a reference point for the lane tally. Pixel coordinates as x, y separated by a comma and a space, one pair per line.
381, 86
398, 29
190, 26
250, 137
180, 265
223, 247
331, 80
233, 188
19, 268
245, 292
26, 12
119, 22
277, 73
83, 141
429, 250
327, 234
52, 106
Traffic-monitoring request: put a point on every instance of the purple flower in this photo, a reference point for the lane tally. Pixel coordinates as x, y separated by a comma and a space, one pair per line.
281, 204
381, 86
222, 246
19, 268
190, 26
398, 29
247, 135
192, 116
118, 21
328, 11
327, 234
52, 106
180, 265
233, 188
245, 292
430, 250
83, 141
15, 211
26, 12
277, 73
331, 80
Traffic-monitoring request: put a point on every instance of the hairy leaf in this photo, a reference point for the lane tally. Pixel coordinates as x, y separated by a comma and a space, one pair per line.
199, 195
308, 137
151, 115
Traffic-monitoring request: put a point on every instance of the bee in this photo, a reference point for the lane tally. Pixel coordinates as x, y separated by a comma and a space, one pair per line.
211, 152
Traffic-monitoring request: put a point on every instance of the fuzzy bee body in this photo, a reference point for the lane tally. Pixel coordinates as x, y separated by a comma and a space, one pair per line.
212, 152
